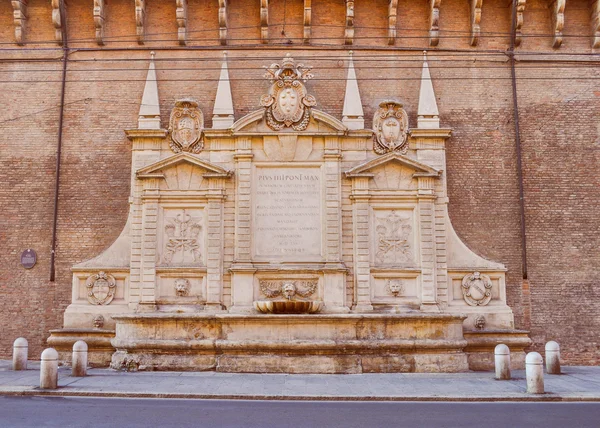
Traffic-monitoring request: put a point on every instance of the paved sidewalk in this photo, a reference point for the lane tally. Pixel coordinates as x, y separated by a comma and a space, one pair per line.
576, 384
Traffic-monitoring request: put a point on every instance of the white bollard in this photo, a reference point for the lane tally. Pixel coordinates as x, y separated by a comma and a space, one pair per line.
20, 349
502, 362
49, 369
80, 357
552, 358
534, 372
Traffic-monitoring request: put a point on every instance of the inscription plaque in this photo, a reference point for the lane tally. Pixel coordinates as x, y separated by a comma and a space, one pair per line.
28, 258
287, 212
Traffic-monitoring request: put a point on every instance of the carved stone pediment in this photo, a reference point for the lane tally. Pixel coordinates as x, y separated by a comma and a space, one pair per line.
287, 105
156, 170
365, 169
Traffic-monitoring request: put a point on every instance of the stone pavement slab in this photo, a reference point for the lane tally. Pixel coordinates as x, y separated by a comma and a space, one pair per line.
575, 384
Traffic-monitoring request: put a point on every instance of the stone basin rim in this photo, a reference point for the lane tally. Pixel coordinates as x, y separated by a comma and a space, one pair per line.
308, 317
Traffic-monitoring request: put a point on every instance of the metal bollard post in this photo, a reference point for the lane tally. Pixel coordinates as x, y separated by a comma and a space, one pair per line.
20, 350
534, 372
80, 357
552, 358
49, 369
502, 362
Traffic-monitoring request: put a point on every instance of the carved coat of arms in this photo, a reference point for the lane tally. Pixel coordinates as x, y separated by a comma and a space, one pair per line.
287, 104
185, 127
100, 288
390, 125
477, 289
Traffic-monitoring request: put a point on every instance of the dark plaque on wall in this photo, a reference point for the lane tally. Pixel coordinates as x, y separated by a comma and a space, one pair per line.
28, 258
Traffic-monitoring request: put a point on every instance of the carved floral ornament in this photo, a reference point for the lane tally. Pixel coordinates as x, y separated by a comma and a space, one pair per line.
477, 289
185, 127
288, 289
101, 288
390, 125
287, 104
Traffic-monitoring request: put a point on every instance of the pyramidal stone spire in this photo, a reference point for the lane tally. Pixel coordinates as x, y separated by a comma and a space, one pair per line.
352, 115
428, 116
149, 117
223, 110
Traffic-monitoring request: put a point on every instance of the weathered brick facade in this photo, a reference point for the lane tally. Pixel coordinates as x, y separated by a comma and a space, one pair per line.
558, 99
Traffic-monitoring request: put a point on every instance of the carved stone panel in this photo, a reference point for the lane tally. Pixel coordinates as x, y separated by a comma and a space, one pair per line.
393, 237
182, 237
287, 212
185, 127
101, 288
390, 125
288, 104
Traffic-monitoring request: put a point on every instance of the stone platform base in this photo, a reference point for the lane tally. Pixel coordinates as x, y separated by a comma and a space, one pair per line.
324, 343
481, 344
100, 350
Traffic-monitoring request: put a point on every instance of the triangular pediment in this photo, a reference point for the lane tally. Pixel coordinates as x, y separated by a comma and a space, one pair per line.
156, 169
320, 122
421, 170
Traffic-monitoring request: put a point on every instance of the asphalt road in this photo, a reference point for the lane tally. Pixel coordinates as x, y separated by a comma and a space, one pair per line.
124, 412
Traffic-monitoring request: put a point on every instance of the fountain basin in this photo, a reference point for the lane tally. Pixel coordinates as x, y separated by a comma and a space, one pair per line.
288, 306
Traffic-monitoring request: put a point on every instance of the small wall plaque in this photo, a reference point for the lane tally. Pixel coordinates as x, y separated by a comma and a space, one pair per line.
28, 258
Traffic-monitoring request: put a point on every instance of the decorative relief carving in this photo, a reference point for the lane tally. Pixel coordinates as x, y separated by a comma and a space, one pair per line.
288, 289
182, 287
264, 21
480, 322
390, 125
57, 20
185, 127
477, 289
181, 15
99, 14
140, 20
223, 21
393, 239
395, 287
349, 32
519, 21
434, 22
98, 321
558, 21
392, 17
101, 288
595, 24
287, 104
307, 20
475, 21
19, 17
182, 238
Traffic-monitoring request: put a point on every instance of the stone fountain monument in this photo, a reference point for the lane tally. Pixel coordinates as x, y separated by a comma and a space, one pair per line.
289, 241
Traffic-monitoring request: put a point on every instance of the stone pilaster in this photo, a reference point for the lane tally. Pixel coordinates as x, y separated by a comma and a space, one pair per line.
426, 211
214, 252
149, 239
362, 236
242, 269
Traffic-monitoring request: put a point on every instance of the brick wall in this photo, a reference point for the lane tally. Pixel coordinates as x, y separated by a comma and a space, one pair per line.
558, 107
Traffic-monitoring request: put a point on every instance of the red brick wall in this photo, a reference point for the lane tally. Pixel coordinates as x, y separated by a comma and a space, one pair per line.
558, 113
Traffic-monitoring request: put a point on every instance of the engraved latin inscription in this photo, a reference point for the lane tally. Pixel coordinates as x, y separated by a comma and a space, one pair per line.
287, 212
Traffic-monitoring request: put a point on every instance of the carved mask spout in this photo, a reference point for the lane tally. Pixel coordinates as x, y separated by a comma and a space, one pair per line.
288, 289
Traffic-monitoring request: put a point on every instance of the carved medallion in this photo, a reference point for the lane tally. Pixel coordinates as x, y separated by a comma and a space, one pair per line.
393, 239
477, 289
390, 125
182, 287
395, 287
182, 238
185, 127
287, 104
101, 288
288, 289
